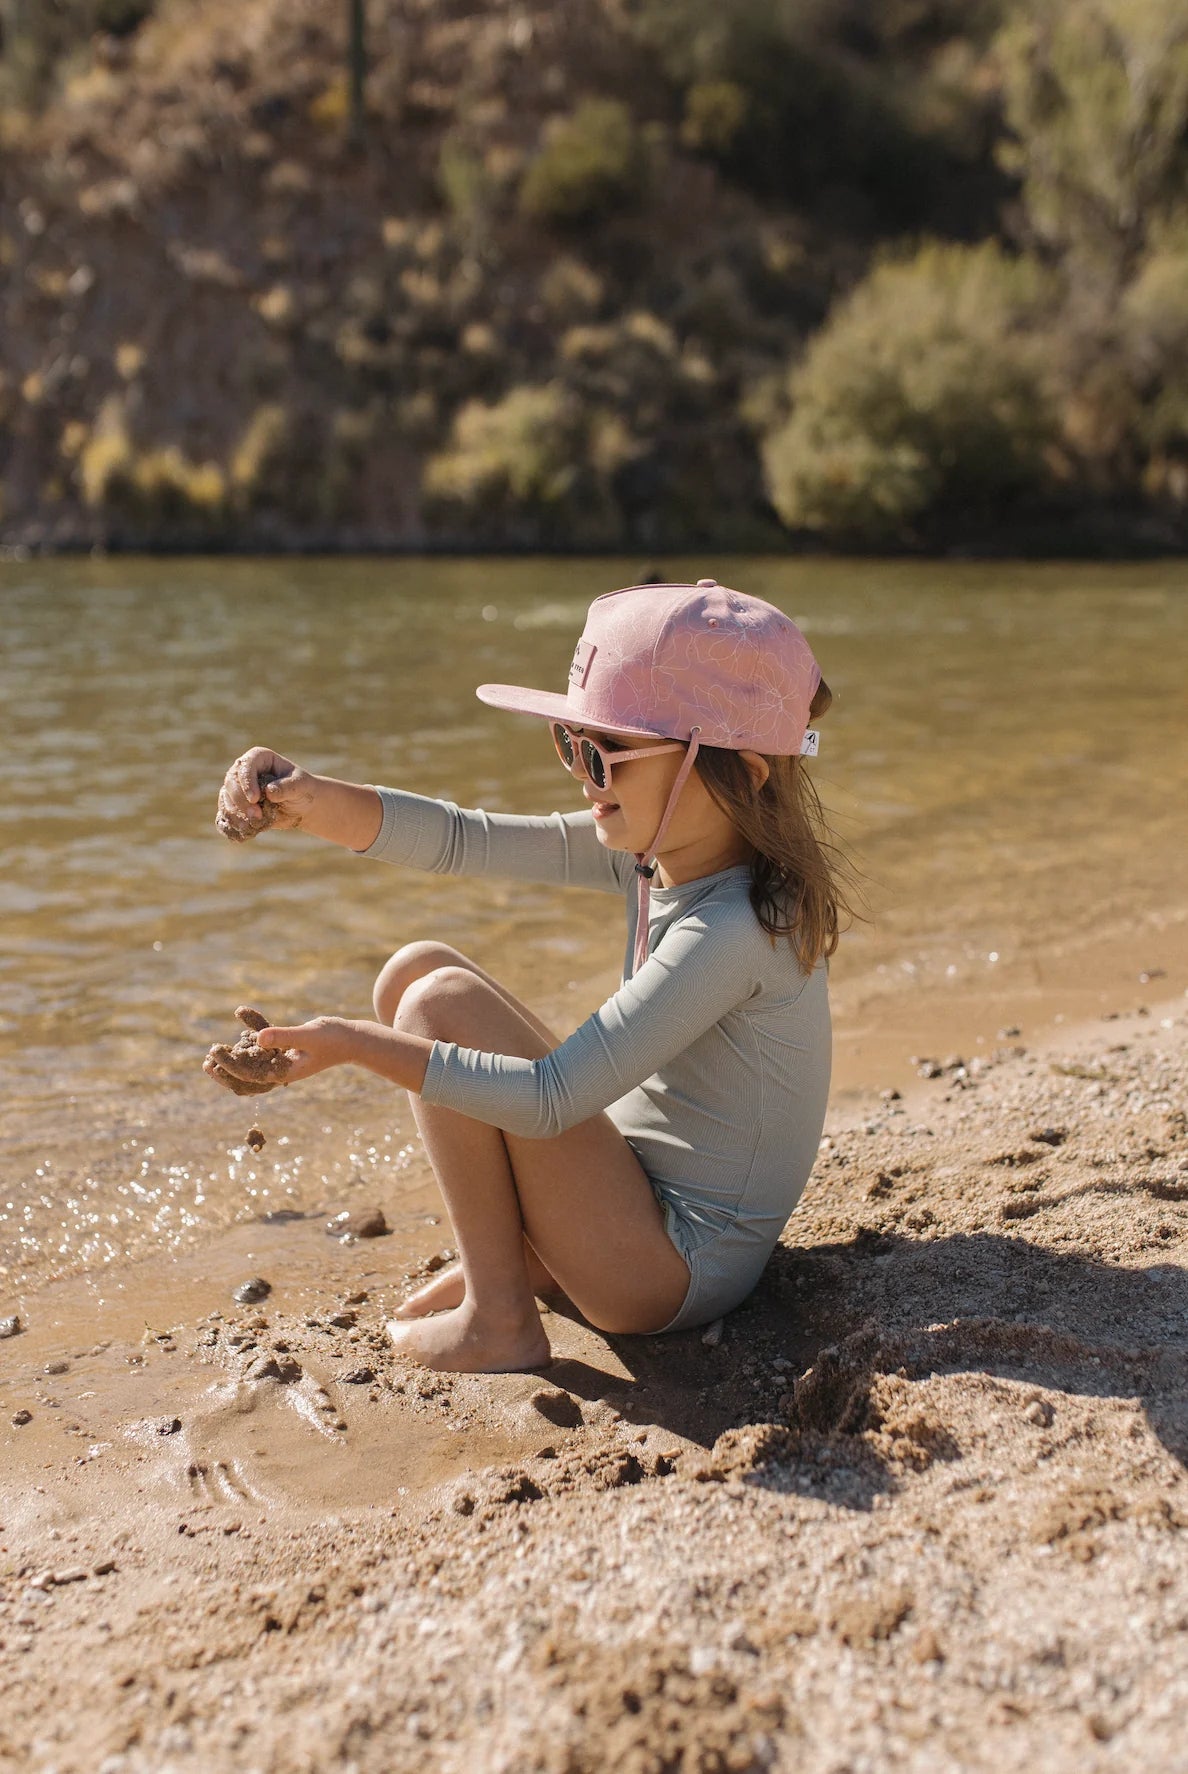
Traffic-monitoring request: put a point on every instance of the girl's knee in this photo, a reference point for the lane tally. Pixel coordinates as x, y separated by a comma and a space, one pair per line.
403, 969
431, 1004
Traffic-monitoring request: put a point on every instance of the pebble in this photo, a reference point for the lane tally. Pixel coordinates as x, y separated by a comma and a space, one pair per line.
56, 1367
341, 1320
1039, 1412
20, 1418
363, 1222
255, 1139
248, 1292
10, 1327
359, 1376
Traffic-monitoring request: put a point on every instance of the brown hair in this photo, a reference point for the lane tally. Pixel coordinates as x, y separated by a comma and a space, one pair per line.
799, 879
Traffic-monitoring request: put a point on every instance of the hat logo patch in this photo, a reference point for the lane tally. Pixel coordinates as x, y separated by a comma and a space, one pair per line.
583, 659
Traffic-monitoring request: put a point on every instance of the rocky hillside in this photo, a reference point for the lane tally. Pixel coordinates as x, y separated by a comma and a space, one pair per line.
547, 294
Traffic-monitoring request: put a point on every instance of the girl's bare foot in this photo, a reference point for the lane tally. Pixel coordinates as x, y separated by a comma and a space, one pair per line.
446, 1289
459, 1342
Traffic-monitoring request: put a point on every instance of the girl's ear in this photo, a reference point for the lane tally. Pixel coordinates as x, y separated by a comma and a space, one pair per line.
758, 768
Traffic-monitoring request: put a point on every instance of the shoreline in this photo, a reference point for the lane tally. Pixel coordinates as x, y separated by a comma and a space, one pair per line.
1148, 538
929, 1459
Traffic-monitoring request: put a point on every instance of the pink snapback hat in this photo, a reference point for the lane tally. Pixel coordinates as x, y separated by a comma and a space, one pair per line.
698, 663
664, 660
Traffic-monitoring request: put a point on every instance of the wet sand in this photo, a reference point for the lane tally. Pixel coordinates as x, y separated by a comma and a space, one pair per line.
923, 1504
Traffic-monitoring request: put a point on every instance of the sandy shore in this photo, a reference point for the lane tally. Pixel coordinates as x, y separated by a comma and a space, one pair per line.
923, 1505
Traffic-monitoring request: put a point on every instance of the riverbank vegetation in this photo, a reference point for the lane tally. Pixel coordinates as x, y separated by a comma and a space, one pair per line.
628, 273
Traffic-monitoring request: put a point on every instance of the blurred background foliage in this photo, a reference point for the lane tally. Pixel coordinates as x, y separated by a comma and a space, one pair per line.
650, 273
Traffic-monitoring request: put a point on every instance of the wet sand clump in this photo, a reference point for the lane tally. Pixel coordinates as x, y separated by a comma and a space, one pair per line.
238, 831
248, 1069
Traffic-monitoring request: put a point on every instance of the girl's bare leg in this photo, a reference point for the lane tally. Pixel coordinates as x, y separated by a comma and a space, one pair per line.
581, 1200
413, 962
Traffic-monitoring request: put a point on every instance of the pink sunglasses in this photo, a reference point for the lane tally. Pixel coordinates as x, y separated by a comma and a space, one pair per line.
584, 757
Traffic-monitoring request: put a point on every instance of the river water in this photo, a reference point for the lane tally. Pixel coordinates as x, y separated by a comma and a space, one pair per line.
1006, 760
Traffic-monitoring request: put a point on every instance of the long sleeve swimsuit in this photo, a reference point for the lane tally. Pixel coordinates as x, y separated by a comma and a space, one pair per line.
713, 1061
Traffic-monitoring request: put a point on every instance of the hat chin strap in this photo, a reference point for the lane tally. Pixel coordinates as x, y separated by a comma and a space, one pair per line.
645, 860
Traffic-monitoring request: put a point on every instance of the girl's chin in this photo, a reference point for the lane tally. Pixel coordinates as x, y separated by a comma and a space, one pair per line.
609, 827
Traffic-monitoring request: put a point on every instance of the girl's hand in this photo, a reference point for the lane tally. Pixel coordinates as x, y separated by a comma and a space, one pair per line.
315, 1046
246, 807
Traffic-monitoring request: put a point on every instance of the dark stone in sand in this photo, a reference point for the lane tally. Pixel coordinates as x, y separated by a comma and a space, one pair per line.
248, 1292
247, 1068
255, 1139
9, 1327
364, 1222
359, 1376
20, 1418
56, 1367
167, 1425
341, 1320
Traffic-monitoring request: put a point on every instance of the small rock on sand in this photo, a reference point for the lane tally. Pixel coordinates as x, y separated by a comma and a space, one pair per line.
248, 1292
9, 1327
20, 1418
361, 1222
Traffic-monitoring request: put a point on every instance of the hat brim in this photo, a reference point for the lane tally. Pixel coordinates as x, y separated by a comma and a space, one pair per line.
549, 706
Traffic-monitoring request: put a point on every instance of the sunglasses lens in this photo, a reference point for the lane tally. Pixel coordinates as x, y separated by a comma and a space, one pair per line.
564, 746
595, 764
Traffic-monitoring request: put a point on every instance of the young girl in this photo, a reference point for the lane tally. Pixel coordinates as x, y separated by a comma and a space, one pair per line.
645, 1166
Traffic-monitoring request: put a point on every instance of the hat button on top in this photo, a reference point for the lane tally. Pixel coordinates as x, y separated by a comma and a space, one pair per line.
706, 584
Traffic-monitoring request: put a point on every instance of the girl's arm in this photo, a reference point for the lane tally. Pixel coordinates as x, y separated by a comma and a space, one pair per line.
559, 849
334, 1041
417, 831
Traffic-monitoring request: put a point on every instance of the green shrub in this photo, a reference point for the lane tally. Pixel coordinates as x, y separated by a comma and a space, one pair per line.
715, 111
1096, 95
537, 466
465, 182
1154, 324
924, 391
589, 164
797, 98
38, 38
513, 453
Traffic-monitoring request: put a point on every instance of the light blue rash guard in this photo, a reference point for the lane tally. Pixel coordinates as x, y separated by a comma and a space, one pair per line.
713, 1061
